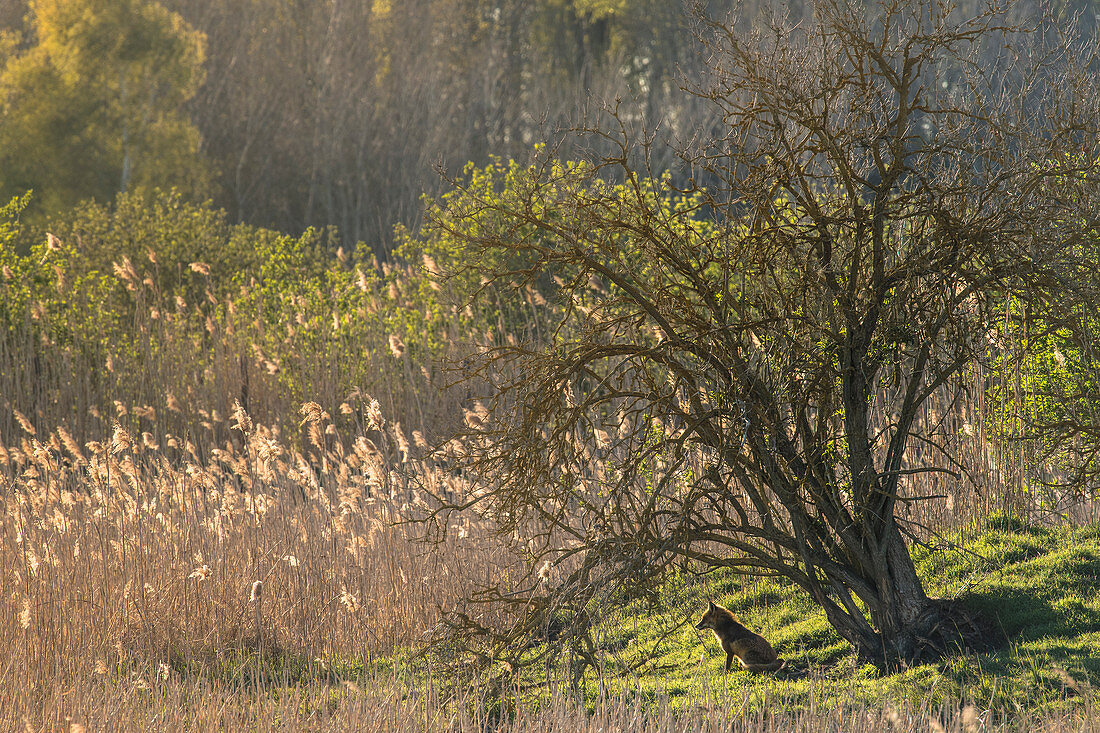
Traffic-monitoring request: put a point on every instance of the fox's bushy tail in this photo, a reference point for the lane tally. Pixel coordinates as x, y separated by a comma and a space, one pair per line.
769, 667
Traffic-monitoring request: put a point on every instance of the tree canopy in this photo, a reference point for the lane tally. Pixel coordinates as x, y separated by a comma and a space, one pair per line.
92, 102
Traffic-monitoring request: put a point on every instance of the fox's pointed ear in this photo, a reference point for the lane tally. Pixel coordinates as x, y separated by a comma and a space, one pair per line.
712, 605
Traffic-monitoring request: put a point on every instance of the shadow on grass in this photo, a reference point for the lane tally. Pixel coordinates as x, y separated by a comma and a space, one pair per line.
1023, 615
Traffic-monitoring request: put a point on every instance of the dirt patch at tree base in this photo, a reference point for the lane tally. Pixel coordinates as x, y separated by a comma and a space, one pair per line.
947, 628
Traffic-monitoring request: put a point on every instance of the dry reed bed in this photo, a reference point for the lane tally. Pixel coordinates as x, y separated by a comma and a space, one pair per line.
129, 598
130, 563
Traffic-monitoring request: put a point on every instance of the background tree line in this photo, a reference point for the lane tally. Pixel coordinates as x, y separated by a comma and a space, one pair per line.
292, 114
313, 113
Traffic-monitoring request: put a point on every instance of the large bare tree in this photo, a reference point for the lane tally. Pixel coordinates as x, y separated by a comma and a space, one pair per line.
737, 369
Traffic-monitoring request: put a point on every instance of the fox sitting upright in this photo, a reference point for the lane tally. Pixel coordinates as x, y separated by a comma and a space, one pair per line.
752, 650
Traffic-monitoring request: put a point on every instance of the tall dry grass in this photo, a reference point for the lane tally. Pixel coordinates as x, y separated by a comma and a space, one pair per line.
130, 563
153, 585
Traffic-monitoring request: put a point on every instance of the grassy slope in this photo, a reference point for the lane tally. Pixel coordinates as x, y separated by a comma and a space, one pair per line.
1040, 585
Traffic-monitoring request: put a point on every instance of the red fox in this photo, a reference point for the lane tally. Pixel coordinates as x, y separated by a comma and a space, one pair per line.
752, 650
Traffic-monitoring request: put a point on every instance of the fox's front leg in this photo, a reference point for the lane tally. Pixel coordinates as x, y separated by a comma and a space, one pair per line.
729, 660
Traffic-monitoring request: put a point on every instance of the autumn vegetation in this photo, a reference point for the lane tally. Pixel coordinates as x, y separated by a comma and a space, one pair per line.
431, 365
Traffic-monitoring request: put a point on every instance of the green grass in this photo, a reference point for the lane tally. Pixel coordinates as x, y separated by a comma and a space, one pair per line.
1039, 585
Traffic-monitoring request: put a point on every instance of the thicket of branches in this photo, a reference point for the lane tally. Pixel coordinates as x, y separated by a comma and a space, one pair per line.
740, 375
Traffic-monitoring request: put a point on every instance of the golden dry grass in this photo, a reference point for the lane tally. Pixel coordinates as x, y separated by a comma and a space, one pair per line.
131, 574
130, 598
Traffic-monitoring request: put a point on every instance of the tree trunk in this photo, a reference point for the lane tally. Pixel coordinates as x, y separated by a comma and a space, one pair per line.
904, 613
907, 626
